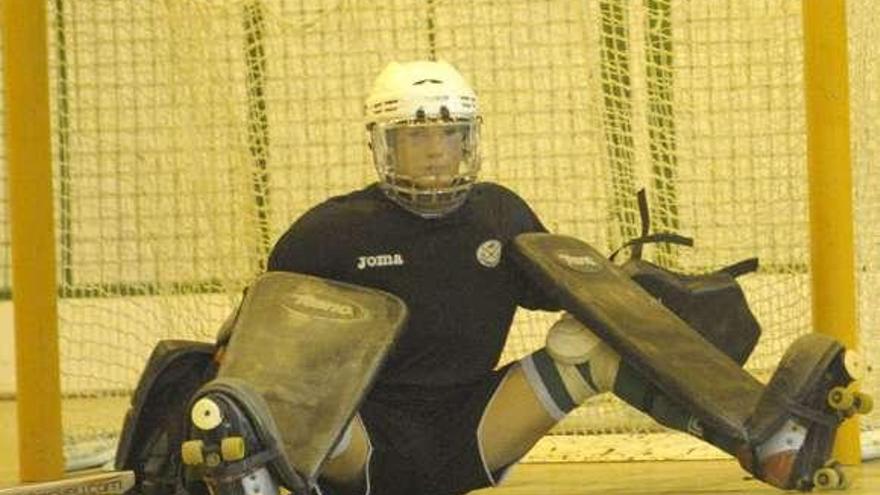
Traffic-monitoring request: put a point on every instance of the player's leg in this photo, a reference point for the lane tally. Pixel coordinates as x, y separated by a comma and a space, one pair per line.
546, 385
542, 388
515, 420
346, 467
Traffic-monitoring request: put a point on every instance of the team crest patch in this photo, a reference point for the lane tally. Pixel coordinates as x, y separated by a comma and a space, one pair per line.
489, 253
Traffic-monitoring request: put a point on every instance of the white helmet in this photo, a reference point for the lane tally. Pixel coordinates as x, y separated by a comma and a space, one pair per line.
423, 126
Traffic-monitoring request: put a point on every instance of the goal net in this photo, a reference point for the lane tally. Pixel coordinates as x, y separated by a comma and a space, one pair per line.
188, 135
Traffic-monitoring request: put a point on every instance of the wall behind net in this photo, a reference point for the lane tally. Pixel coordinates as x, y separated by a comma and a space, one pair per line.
188, 135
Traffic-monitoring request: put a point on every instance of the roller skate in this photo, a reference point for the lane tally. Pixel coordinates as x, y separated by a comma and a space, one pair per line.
793, 427
233, 444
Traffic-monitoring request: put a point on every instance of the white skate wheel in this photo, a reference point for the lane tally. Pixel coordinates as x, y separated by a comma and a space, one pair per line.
852, 361
205, 414
830, 478
864, 403
840, 398
826, 478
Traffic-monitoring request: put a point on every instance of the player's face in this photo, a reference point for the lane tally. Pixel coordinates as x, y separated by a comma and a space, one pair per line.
430, 154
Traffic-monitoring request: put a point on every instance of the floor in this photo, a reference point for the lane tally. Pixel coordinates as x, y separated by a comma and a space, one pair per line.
657, 478
8, 442
618, 478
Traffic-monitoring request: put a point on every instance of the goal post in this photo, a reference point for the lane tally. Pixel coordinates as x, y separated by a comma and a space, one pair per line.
31, 199
832, 252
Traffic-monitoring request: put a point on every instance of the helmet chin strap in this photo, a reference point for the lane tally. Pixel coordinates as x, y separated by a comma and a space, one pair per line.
428, 192
426, 204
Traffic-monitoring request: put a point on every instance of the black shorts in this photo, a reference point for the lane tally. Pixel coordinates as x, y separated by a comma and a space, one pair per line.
425, 442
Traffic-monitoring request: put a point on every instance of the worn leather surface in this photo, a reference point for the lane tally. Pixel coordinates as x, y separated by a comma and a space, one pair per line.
310, 348
656, 342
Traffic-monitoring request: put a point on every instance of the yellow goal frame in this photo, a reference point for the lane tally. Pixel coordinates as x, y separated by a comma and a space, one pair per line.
32, 225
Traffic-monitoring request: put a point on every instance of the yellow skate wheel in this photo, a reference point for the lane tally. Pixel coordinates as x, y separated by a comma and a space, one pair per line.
232, 449
840, 398
864, 403
213, 459
827, 478
191, 453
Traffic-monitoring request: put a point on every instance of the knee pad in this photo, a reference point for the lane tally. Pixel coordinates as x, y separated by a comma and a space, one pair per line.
574, 365
571, 343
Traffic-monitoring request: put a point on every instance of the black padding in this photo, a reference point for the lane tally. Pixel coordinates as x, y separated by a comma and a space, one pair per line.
155, 423
741, 268
713, 304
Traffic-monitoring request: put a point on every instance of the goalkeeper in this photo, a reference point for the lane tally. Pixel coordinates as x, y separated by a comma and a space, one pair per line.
442, 419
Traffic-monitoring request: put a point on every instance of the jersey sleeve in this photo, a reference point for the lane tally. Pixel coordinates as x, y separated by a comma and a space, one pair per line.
307, 247
524, 219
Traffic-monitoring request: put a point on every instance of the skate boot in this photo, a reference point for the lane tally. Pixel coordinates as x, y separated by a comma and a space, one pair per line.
233, 443
793, 427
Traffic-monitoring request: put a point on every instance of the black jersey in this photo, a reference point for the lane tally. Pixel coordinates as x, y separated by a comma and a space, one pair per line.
453, 273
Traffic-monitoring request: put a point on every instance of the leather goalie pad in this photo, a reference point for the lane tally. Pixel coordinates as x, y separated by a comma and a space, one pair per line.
155, 422
303, 352
656, 342
663, 349
712, 304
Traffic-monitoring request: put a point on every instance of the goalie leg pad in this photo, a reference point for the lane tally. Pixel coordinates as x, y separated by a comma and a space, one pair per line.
632, 388
302, 353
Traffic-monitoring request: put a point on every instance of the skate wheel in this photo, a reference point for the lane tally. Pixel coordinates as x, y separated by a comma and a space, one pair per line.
191, 453
213, 460
232, 449
205, 414
852, 362
827, 478
840, 398
864, 403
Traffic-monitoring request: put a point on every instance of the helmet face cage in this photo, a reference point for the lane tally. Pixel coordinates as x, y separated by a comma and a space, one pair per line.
419, 188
